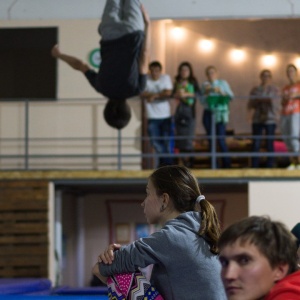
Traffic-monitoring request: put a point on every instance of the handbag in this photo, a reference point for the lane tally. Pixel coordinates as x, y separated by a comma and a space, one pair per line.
183, 115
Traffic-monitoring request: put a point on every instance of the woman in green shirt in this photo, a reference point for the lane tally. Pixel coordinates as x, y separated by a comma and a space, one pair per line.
186, 90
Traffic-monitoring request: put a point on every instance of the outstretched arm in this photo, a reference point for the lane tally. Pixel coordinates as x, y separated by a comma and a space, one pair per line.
73, 62
144, 57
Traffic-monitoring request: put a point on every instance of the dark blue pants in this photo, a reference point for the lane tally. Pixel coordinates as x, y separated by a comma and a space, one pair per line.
220, 131
159, 131
257, 130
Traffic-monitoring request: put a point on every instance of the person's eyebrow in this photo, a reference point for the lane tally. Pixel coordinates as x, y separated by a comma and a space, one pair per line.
236, 256
241, 255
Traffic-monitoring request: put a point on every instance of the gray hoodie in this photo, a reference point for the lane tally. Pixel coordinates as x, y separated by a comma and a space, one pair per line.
184, 268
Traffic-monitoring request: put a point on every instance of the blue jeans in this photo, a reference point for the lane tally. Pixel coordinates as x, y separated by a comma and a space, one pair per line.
159, 131
290, 129
257, 130
220, 131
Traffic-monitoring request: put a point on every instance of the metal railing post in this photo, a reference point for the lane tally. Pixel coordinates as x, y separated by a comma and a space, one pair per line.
119, 150
213, 141
26, 135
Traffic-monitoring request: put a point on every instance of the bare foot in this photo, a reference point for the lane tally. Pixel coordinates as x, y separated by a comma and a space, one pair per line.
55, 51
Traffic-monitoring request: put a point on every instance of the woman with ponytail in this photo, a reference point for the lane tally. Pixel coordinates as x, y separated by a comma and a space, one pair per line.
184, 251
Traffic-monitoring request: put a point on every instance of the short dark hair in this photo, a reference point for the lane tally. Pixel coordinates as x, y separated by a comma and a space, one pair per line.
272, 238
291, 66
262, 72
155, 64
211, 67
117, 113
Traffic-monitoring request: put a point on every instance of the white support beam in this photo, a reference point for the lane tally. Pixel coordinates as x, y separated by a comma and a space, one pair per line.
158, 9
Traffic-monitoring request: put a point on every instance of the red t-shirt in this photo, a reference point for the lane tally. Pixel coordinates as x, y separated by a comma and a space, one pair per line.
286, 289
293, 104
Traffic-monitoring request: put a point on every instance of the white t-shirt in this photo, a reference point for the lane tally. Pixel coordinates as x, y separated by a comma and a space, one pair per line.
158, 109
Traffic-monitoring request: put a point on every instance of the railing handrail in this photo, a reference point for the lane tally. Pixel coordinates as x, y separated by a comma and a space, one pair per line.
119, 139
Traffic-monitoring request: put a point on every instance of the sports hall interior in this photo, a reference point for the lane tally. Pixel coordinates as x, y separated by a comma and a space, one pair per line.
69, 183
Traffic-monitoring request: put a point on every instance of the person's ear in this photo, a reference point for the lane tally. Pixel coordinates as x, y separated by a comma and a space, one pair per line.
280, 272
165, 200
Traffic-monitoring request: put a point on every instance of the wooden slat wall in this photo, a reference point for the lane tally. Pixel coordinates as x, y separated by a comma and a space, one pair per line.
23, 228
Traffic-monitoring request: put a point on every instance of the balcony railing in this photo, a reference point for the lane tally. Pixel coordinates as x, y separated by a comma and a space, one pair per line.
118, 152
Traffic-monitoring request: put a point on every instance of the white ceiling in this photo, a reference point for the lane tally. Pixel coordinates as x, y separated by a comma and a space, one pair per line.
158, 9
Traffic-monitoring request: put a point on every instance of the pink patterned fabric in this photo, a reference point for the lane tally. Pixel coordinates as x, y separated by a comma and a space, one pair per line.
131, 286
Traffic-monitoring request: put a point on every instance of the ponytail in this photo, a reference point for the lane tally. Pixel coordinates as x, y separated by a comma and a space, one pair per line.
183, 188
210, 226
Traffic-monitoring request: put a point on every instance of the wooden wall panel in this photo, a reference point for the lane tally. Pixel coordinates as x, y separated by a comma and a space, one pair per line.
23, 228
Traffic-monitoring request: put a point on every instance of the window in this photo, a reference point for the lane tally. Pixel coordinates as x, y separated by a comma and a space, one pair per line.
27, 67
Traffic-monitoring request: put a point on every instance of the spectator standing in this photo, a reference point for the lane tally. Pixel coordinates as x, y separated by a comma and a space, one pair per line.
290, 116
216, 87
156, 96
263, 113
186, 90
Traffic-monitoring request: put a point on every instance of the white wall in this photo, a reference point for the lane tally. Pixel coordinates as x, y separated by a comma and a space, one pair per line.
158, 9
52, 263
77, 113
72, 128
278, 199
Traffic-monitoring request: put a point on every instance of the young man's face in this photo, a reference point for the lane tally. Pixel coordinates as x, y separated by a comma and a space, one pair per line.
155, 72
246, 272
266, 77
212, 74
